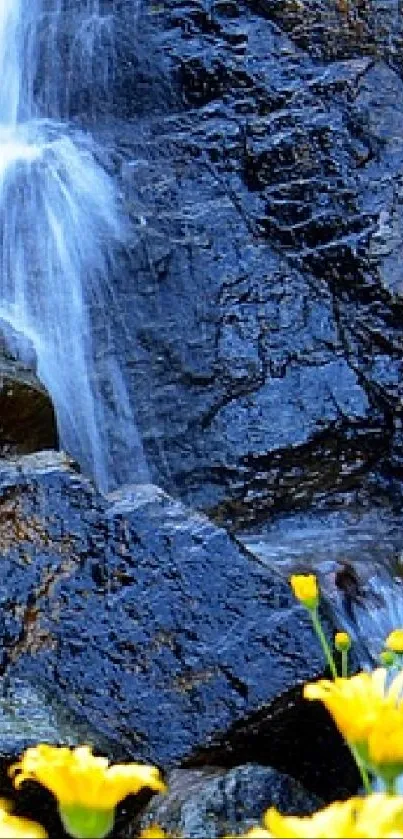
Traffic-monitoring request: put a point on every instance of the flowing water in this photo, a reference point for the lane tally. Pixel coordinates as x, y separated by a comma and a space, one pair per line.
61, 227
357, 555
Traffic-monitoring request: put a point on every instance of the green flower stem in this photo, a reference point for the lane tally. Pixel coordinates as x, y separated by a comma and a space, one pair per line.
85, 822
323, 640
362, 769
344, 664
331, 662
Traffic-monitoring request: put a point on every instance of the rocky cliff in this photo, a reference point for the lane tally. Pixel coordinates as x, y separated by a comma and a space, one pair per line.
262, 311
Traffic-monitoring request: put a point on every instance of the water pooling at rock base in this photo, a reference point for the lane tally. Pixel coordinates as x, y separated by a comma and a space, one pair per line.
200, 210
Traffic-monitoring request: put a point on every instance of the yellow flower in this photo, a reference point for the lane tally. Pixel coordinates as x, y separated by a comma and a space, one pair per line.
77, 777
153, 832
368, 710
342, 641
305, 589
394, 641
14, 827
377, 815
357, 703
86, 787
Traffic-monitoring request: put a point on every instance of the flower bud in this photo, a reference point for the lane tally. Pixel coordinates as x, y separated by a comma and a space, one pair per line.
305, 589
387, 658
342, 641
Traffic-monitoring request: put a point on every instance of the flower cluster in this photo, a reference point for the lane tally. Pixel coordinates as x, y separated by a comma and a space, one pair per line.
366, 707
368, 711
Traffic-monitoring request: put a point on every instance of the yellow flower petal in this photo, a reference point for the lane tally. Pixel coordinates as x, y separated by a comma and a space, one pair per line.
332, 821
394, 641
154, 832
358, 818
385, 743
368, 710
14, 827
358, 702
379, 814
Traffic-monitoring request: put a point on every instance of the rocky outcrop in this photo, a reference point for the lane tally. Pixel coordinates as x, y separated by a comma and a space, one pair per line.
258, 315
261, 313
150, 625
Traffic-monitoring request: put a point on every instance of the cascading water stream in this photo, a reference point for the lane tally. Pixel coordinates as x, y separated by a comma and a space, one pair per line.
366, 598
60, 229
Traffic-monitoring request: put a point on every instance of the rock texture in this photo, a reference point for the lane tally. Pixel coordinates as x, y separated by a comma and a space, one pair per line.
146, 621
210, 804
258, 148
261, 313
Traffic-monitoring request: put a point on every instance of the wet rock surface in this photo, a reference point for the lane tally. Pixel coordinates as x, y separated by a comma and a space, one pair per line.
262, 311
356, 552
205, 804
144, 620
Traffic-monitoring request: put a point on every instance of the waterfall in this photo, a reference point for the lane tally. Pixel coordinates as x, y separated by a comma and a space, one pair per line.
61, 227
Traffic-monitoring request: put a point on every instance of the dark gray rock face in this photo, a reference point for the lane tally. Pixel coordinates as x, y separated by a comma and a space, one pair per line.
261, 313
258, 315
204, 804
144, 619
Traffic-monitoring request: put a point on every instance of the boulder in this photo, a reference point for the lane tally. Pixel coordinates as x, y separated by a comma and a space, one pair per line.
208, 804
149, 624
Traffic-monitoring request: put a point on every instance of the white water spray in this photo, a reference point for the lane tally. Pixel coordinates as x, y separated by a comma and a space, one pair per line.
60, 229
